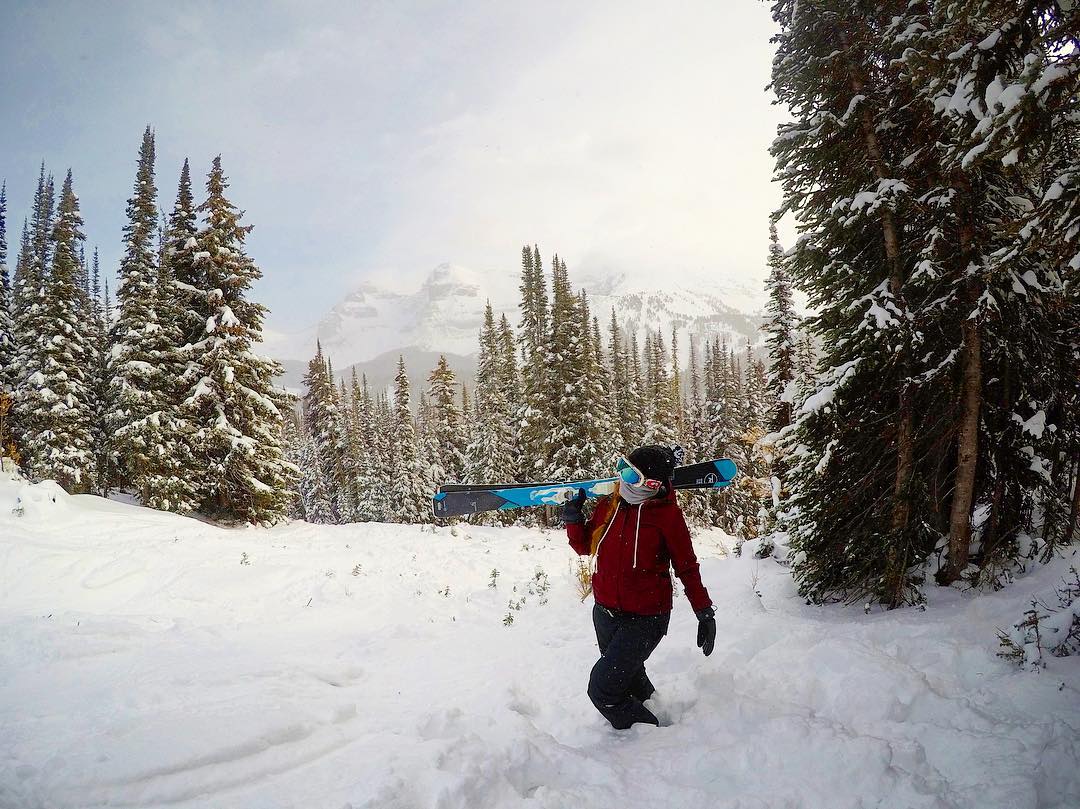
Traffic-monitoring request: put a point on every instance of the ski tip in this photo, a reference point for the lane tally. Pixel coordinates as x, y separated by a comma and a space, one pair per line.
726, 469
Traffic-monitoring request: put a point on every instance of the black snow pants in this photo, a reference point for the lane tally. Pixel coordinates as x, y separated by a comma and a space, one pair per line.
618, 683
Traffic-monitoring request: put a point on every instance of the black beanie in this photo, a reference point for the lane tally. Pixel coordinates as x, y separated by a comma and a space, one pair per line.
655, 461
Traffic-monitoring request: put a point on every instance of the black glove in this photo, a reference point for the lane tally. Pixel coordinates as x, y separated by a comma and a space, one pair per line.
706, 630
572, 509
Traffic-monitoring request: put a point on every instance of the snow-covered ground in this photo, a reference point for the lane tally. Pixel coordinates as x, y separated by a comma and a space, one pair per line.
152, 660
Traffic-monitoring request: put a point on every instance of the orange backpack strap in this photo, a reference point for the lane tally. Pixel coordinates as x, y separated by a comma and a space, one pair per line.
605, 513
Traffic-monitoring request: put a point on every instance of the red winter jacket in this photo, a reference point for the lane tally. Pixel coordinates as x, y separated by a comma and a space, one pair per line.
634, 554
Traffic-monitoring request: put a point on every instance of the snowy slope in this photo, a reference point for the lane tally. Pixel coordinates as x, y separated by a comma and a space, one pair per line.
149, 660
445, 313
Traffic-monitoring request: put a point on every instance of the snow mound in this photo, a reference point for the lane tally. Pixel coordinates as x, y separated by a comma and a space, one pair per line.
150, 660
35, 502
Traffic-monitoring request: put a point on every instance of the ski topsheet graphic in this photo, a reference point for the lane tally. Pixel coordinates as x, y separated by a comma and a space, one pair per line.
459, 499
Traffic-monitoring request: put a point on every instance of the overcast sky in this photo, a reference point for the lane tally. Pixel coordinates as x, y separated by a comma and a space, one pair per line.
374, 140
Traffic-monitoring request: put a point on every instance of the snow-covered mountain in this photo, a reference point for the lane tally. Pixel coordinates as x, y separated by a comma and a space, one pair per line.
374, 324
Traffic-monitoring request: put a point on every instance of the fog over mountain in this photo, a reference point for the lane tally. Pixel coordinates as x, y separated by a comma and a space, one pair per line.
375, 323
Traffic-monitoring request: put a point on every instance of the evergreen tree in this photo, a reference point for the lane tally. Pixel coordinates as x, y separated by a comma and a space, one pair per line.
622, 408
512, 392
663, 422
59, 439
7, 324
8, 347
29, 314
602, 398
180, 247
535, 421
384, 449
370, 481
917, 164
490, 454
140, 387
694, 439
570, 448
100, 340
446, 426
146, 362
781, 324
230, 402
847, 177
410, 501
322, 424
637, 408
311, 487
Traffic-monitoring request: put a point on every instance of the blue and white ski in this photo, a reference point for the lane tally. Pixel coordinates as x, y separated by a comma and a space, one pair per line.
460, 499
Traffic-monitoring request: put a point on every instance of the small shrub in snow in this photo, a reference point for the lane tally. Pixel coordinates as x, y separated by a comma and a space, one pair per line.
493, 581
583, 577
356, 570
1046, 630
508, 619
245, 559
540, 585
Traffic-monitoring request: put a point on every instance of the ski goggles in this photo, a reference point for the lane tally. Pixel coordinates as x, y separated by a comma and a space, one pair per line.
632, 476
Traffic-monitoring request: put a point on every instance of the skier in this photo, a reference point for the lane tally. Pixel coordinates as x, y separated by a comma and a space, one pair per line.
634, 535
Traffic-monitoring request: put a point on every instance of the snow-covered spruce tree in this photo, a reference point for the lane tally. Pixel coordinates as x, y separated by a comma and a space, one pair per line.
535, 421
353, 448
445, 427
99, 335
571, 451
637, 409
410, 500
372, 484
322, 424
676, 384
180, 248
490, 454
8, 347
847, 162
311, 487
695, 505
7, 324
230, 401
663, 414
592, 387
383, 452
998, 79
609, 445
781, 324
512, 392
347, 450
31, 271
140, 387
618, 373
58, 398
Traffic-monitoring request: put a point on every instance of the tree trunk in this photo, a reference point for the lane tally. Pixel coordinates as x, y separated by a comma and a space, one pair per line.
1075, 502
967, 449
905, 445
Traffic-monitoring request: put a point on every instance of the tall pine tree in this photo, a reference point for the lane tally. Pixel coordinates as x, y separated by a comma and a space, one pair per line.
230, 402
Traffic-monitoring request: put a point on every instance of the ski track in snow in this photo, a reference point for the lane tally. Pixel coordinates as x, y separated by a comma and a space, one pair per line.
142, 664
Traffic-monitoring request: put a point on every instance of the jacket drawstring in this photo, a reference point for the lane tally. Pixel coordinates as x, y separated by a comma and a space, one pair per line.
592, 557
637, 531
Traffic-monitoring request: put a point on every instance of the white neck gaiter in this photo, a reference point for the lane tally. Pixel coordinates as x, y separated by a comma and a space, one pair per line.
635, 494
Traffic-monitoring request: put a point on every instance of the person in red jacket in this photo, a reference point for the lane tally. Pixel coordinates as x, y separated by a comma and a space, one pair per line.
635, 535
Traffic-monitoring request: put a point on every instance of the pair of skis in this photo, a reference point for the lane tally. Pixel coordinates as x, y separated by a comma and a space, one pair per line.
461, 499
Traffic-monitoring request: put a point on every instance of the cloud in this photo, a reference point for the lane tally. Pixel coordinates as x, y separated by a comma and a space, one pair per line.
635, 140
